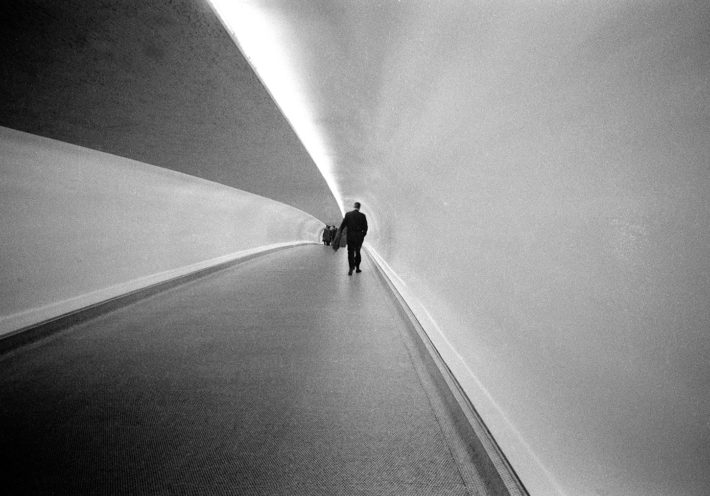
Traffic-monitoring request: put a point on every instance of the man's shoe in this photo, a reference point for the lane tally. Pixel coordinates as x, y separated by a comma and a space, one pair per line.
358, 270
350, 272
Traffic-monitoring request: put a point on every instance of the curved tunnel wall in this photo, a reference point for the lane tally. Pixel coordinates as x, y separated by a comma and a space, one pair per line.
555, 227
158, 82
551, 216
536, 177
80, 226
535, 173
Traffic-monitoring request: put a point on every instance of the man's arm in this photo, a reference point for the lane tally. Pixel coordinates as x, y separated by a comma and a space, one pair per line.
364, 231
344, 223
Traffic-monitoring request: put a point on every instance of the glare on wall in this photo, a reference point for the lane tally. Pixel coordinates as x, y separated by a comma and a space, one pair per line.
259, 36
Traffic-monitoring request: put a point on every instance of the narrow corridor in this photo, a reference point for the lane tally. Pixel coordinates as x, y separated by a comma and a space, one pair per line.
280, 375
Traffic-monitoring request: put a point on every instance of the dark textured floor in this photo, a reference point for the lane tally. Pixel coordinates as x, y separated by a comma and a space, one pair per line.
278, 376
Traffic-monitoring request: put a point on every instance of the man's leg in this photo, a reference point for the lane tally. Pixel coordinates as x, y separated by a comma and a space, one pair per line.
357, 258
351, 258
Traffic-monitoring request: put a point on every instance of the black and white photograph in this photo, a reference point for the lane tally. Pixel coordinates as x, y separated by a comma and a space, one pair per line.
355, 247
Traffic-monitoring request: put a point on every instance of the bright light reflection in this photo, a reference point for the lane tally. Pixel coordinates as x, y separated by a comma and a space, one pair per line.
263, 41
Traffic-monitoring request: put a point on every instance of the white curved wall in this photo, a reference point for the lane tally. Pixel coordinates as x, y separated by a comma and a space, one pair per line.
549, 207
536, 175
555, 226
79, 226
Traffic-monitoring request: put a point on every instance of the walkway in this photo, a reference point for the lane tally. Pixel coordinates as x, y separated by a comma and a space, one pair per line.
279, 376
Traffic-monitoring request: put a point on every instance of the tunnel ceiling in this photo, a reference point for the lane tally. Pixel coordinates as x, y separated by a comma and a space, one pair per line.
158, 82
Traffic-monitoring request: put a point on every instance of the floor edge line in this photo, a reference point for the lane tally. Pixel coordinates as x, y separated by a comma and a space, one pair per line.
479, 431
18, 338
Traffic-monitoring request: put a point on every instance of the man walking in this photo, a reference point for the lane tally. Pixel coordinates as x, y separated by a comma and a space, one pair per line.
356, 222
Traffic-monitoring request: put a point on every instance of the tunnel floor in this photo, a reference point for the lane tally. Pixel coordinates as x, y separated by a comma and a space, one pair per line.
281, 375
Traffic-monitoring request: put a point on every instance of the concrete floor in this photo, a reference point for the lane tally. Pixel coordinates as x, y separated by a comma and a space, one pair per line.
281, 375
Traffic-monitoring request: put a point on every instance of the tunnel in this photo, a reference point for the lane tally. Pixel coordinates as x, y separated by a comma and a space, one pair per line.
533, 311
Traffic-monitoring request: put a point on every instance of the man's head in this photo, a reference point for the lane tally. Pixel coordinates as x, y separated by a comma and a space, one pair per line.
356, 205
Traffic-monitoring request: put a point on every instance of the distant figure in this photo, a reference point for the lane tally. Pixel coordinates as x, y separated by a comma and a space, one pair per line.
327, 235
356, 224
333, 230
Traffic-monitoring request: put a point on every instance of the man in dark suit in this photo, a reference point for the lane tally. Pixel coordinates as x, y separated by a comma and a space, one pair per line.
356, 222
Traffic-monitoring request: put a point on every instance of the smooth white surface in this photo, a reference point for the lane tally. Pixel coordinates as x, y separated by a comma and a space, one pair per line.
79, 226
537, 176
35, 315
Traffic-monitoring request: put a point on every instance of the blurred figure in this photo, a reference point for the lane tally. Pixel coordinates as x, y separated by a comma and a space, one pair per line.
339, 238
356, 224
327, 235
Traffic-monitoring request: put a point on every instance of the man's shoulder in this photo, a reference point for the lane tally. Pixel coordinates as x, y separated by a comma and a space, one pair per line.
355, 214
